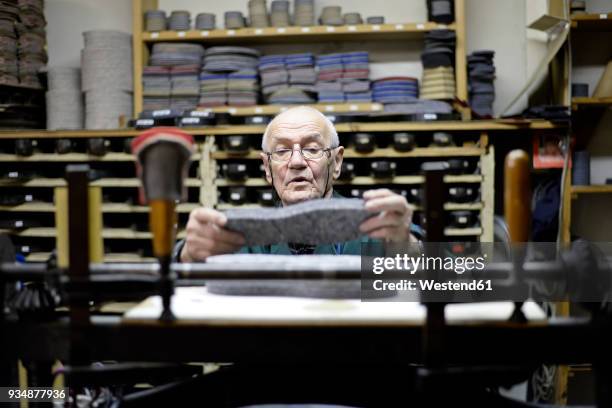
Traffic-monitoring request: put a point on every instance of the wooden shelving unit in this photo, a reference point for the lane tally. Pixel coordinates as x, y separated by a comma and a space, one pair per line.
292, 35
594, 189
592, 22
584, 103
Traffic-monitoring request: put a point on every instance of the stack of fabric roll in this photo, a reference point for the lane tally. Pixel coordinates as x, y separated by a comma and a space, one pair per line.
279, 13
352, 19
106, 63
229, 75
356, 76
303, 13
180, 20
287, 79
205, 21
343, 77
395, 90
32, 40
185, 92
441, 11
258, 13
171, 80
9, 67
64, 98
156, 87
155, 20
234, 19
438, 60
329, 78
481, 73
332, 16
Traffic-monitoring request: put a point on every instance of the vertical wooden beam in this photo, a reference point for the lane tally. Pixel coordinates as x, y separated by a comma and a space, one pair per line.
566, 216
140, 52
487, 194
460, 59
208, 174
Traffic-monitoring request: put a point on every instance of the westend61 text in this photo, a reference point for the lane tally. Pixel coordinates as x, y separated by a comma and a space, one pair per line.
432, 285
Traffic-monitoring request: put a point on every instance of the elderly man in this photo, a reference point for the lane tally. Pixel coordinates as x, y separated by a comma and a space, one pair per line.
302, 158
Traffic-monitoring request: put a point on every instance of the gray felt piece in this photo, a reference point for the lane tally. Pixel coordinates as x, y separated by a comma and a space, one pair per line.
323, 289
313, 222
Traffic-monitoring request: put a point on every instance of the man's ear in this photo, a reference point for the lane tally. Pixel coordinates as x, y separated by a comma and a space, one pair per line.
338, 162
266, 164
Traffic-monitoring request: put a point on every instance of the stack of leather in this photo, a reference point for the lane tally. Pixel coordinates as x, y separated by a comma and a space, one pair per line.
32, 40
438, 61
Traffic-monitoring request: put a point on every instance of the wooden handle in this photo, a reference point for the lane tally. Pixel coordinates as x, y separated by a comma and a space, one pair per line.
517, 195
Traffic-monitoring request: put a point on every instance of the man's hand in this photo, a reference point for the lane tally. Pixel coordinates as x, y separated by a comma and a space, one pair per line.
206, 236
393, 223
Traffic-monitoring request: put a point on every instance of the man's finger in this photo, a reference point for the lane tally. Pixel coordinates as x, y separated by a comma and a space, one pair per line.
375, 193
395, 203
209, 215
387, 220
219, 234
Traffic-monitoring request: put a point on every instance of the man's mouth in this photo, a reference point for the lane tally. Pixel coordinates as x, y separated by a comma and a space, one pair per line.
299, 180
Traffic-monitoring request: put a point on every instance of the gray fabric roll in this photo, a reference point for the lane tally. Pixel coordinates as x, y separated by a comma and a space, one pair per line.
311, 222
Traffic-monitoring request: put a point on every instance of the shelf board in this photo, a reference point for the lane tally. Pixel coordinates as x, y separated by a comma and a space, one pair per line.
462, 232
105, 182
73, 157
361, 181
427, 126
110, 257
106, 208
248, 35
578, 103
350, 153
275, 109
592, 22
107, 233
593, 189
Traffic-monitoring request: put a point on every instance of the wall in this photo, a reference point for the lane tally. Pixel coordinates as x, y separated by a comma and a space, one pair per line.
68, 19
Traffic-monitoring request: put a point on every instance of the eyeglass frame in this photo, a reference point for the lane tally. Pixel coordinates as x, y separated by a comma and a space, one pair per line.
326, 150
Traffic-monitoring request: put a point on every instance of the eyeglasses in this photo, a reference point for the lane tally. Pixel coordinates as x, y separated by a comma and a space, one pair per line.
308, 153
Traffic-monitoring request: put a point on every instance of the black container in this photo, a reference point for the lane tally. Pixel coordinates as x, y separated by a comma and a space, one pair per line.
24, 147
462, 219
348, 171
364, 143
383, 169
237, 144
235, 171
266, 198
458, 166
63, 146
442, 139
237, 195
461, 194
404, 142
97, 146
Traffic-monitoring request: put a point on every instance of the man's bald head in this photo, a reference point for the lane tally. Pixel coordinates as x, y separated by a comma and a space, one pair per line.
298, 115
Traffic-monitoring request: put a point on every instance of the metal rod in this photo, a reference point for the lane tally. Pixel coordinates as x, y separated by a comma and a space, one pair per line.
543, 270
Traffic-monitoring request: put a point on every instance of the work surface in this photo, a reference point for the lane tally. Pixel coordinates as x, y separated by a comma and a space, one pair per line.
195, 305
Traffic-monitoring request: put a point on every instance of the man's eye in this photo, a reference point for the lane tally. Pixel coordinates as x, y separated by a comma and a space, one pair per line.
311, 149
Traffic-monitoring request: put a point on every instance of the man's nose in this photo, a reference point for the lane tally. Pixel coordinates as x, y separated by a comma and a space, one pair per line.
296, 160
